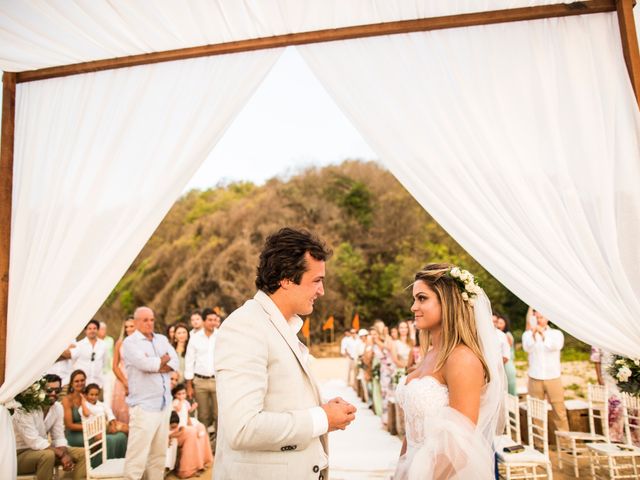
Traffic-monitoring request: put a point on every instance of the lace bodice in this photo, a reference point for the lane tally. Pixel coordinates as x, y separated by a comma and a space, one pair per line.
420, 399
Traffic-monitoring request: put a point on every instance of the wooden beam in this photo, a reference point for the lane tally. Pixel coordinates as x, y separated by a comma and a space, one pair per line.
629, 42
329, 35
6, 187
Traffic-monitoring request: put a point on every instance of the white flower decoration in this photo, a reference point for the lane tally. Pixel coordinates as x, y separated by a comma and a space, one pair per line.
455, 272
623, 374
466, 282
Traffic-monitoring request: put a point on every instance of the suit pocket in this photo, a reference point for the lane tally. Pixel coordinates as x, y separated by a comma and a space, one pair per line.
263, 471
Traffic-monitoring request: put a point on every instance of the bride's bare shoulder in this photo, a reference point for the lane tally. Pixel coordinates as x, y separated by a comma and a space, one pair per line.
463, 360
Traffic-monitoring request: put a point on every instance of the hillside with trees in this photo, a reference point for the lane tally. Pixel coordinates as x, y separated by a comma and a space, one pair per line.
205, 251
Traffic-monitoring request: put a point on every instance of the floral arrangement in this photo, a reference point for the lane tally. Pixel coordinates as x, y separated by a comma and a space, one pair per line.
32, 398
626, 372
400, 372
375, 371
469, 288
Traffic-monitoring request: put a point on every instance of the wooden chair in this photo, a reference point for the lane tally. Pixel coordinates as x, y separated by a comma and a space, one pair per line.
621, 461
532, 462
572, 446
94, 432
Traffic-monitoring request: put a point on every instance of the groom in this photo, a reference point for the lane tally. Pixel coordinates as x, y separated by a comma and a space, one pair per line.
272, 422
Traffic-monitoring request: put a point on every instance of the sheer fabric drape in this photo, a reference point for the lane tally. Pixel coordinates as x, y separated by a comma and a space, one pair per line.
522, 141
99, 160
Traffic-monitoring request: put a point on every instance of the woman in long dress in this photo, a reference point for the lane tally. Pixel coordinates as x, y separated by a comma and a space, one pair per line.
71, 404
452, 400
121, 387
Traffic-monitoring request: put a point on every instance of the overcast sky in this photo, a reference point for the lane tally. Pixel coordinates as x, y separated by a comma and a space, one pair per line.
289, 123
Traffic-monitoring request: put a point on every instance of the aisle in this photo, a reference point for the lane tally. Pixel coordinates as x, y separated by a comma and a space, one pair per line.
364, 450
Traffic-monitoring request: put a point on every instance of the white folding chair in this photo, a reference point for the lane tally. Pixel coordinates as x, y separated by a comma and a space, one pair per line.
94, 432
572, 446
511, 434
621, 461
534, 461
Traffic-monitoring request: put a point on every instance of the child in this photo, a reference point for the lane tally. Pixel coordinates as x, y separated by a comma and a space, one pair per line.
195, 450
92, 406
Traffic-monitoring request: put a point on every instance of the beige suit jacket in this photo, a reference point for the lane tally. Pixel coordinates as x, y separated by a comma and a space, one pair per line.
265, 391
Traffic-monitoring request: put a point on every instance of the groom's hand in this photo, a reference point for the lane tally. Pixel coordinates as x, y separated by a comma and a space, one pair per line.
339, 413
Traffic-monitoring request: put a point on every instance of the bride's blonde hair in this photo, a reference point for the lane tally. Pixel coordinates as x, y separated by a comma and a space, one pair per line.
458, 321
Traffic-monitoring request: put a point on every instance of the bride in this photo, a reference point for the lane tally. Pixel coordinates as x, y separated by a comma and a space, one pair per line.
453, 400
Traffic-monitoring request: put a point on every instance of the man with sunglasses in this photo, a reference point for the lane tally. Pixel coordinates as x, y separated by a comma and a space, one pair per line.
40, 440
90, 355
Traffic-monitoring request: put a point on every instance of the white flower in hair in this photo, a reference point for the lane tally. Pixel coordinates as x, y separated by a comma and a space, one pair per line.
469, 289
455, 272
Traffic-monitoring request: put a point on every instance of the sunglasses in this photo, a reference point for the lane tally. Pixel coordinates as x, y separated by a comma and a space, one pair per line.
53, 390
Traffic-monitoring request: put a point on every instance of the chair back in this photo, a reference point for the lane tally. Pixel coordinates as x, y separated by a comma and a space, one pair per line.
512, 417
94, 433
631, 414
598, 398
537, 425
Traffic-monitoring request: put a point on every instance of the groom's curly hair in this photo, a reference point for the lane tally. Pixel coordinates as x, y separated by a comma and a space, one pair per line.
283, 257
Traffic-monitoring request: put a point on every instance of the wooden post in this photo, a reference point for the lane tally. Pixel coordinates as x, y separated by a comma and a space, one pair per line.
629, 43
6, 188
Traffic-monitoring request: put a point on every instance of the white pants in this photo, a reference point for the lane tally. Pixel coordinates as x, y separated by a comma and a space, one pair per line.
147, 445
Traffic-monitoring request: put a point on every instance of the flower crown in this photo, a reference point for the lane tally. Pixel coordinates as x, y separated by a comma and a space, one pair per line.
469, 288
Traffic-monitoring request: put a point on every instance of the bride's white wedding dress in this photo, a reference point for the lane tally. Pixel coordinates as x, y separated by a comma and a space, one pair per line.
441, 442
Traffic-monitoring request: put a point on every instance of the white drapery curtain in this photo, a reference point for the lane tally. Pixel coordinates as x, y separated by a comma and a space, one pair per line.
522, 141
99, 160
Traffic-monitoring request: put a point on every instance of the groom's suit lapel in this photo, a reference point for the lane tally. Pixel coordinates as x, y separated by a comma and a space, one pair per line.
278, 321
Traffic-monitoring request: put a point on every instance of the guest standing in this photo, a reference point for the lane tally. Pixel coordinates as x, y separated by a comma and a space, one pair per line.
502, 324
148, 359
543, 344
90, 354
402, 347
121, 387
181, 339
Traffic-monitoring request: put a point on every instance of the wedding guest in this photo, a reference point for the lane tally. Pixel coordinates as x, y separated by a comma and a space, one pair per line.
92, 407
195, 449
349, 347
596, 358
71, 404
181, 339
174, 378
416, 356
200, 371
148, 359
402, 347
375, 356
387, 367
170, 333
502, 323
543, 344
108, 344
121, 387
196, 322
394, 334
40, 439
90, 354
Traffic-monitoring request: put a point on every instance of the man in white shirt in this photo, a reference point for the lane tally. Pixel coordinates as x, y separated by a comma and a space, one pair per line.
63, 367
40, 440
90, 354
272, 421
543, 344
199, 369
196, 322
349, 348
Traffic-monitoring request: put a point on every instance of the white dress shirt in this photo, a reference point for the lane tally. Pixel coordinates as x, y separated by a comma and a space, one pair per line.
63, 369
98, 409
148, 388
318, 415
32, 429
544, 354
82, 357
199, 356
505, 348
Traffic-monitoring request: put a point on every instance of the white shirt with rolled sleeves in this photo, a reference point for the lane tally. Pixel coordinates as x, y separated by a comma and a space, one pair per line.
82, 356
199, 355
33, 429
147, 386
544, 354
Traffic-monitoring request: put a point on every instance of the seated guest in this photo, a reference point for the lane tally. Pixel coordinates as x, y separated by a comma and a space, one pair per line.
193, 442
116, 443
92, 407
40, 440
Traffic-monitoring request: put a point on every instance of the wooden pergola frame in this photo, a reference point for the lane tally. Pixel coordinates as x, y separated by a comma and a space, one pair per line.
624, 9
